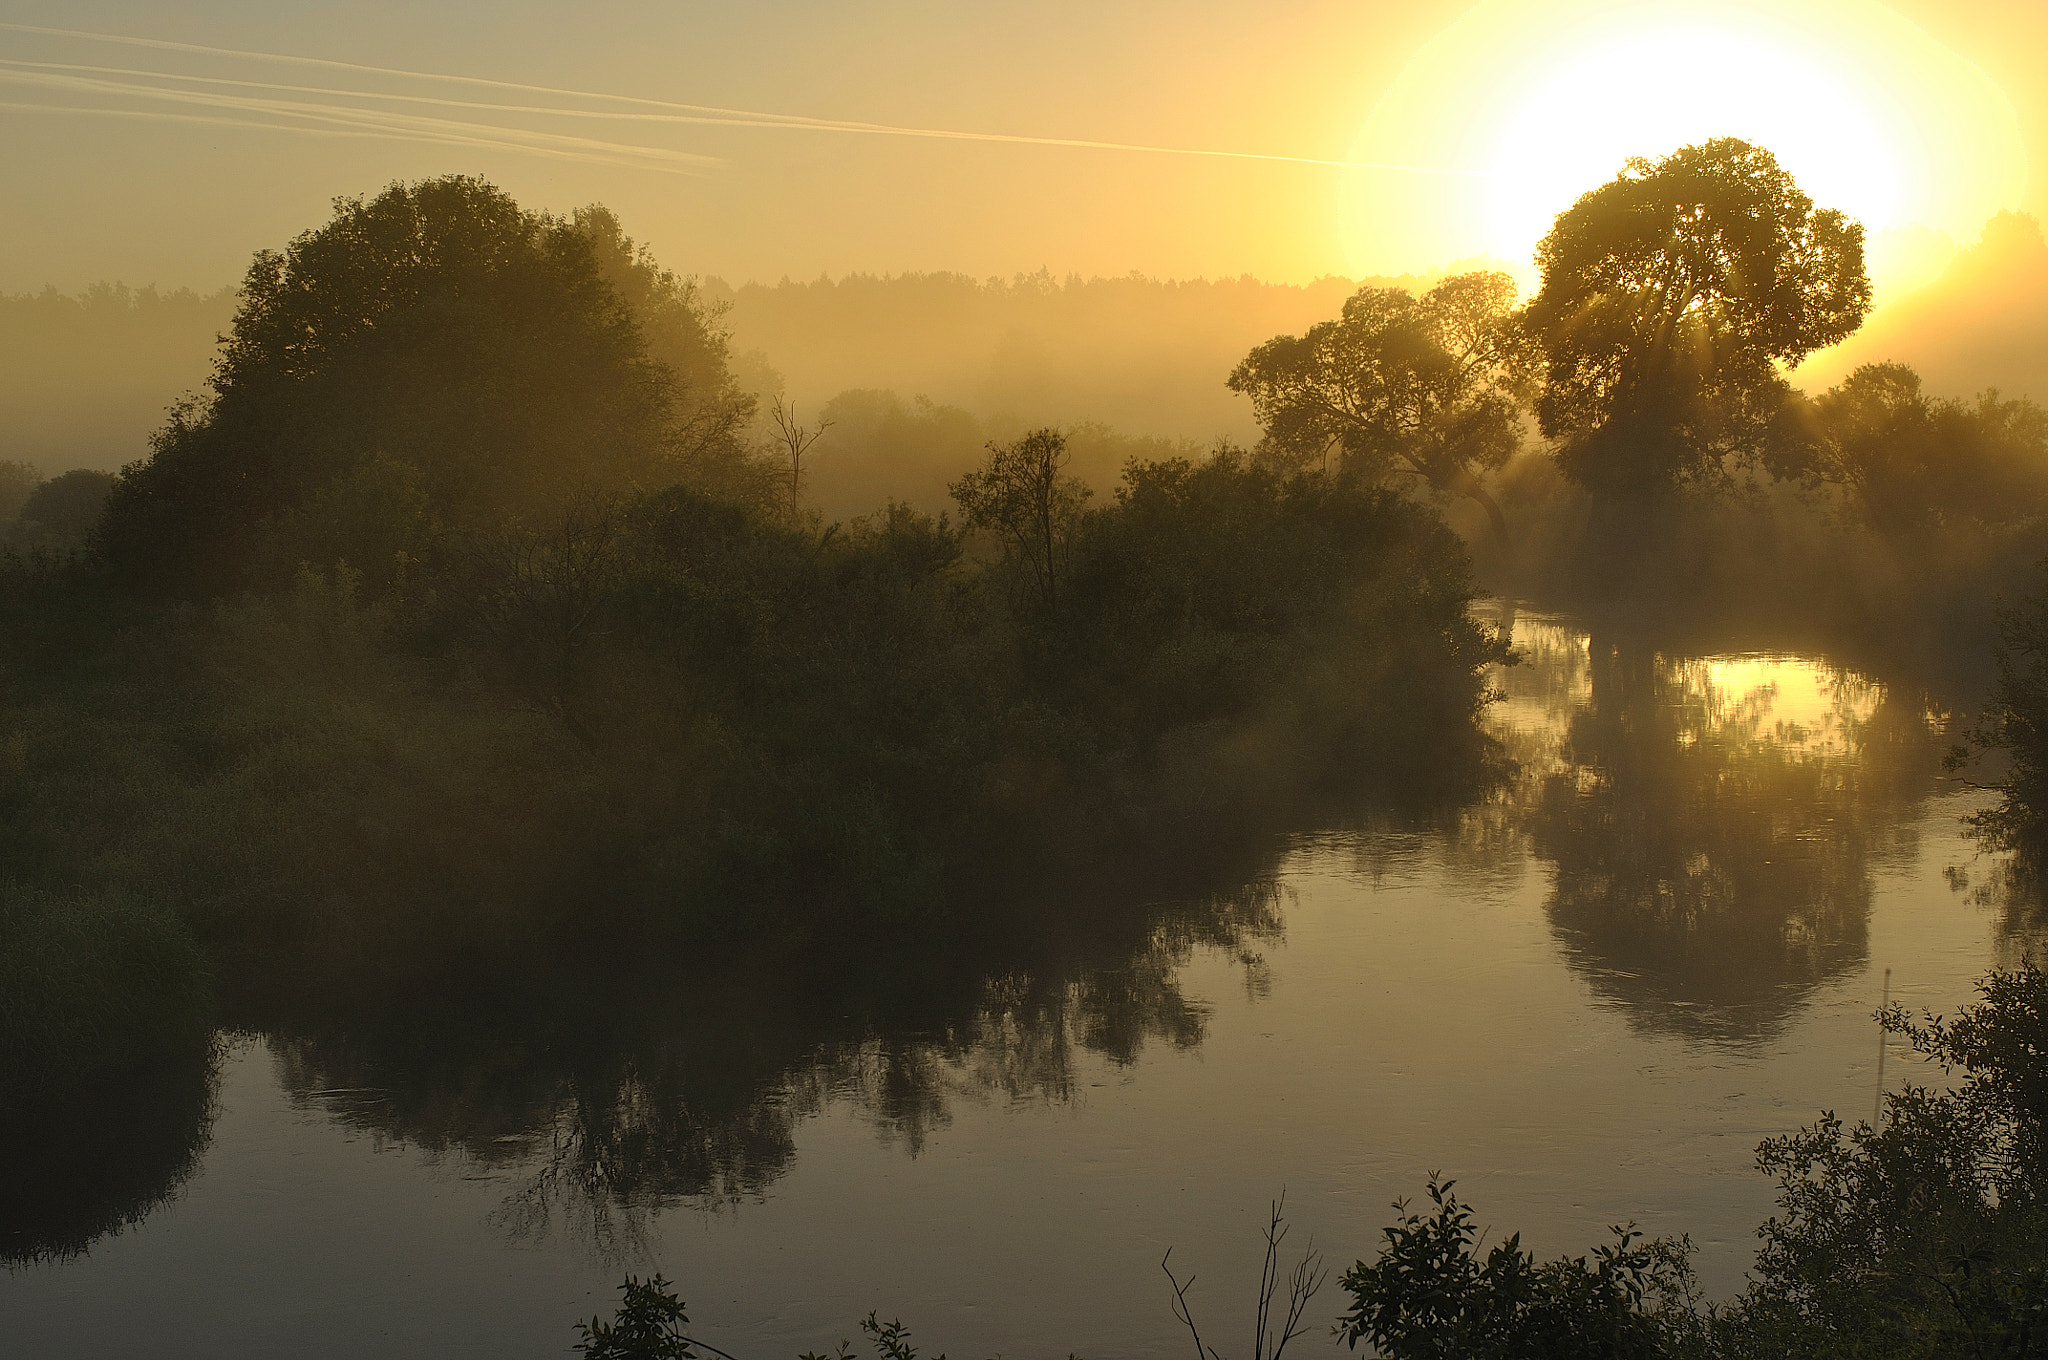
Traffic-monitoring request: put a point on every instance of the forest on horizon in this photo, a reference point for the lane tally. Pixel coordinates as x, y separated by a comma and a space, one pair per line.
1129, 358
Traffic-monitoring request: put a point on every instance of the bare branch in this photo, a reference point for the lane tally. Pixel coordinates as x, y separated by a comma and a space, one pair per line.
796, 441
1307, 1277
1180, 1307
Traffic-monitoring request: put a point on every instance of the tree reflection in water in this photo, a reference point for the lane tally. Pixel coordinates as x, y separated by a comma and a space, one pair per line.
633, 1099
1712, 826
1711, 829
78, 1165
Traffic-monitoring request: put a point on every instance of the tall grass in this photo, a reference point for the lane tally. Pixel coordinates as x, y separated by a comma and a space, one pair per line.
92, 983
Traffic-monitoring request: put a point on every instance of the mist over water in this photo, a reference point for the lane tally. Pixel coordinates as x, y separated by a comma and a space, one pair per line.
1587, 995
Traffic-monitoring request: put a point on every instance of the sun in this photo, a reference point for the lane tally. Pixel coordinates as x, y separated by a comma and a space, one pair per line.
1516, 110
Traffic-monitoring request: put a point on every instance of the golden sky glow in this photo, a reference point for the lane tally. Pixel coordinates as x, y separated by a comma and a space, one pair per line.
1540, 103
165, 145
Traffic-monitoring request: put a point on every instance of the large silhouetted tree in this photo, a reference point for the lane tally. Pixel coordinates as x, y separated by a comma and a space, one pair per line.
435, 358
1426, 386
1671, 297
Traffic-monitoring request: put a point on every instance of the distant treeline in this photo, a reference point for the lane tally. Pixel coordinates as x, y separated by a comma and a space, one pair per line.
1982, 324
1142, 355
90, 376
49, 513
86, 378
878, 449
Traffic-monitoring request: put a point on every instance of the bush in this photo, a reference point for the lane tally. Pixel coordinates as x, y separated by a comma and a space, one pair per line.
93, 985
1430, 1296
2014, 721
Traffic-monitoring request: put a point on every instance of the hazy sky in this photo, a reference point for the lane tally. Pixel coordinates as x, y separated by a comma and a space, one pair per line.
1921, 114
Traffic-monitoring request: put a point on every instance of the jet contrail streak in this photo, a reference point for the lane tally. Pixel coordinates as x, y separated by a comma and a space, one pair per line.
737, 117
451, 131
161, 116
555, 110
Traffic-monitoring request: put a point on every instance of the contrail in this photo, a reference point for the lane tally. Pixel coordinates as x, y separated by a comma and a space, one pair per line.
161, 116
453, 131
715, 113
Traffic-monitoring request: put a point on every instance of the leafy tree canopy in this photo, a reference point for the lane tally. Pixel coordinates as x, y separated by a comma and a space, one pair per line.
1670, 297
1023, 492
1426, 386
59, 513
433, 358
1910, 461
17, 482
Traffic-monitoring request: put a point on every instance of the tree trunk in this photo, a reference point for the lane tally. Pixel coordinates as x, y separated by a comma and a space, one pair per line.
1467, 484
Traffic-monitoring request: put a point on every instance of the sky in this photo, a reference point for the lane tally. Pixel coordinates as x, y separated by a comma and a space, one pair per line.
1331, 138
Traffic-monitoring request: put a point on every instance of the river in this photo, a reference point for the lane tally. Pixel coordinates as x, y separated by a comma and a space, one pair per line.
1587, 996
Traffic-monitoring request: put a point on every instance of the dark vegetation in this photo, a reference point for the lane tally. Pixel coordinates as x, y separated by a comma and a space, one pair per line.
53, 515
1684, 491
2013, 725
1925, 1235
460, 618
464, 623
1920, 1236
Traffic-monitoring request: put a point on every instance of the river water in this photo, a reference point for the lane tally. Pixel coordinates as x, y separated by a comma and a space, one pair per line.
1586, 997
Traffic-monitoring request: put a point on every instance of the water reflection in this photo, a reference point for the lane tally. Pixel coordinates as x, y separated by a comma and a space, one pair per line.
1711, 825
632, 1098
2013, 891
82, 1164
1708, 831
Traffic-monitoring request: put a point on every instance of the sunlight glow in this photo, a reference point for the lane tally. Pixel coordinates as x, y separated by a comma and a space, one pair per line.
1868, 112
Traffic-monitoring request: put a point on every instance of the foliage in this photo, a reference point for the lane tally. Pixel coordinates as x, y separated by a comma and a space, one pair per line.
1431, 1296
1928, 1235
647, 1326
891, 1340
17, 482
708, 718
1209, 589
1429, 386
60, 513
1911, 462
684, 333
885, 450
649, 1323
431, 360
1023, 493
451, 631
2014, 722
1670, 295
92, 985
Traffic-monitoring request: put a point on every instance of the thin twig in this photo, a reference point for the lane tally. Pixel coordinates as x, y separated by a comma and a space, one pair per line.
1269, 1276
1180, 1307
693, 1341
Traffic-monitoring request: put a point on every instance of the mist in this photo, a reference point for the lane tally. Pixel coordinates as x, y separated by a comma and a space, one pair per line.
525, 763
1979, 325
